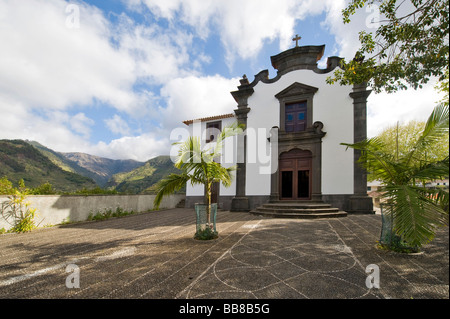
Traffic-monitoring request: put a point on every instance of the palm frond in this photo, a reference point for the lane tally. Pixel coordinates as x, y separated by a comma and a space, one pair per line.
377, 161
189, 152
433, 171
436, 127
197, 165
229, 131
416, 215
169, 185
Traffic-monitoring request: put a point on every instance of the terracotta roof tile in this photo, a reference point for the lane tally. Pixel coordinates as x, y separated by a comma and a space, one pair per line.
210, 118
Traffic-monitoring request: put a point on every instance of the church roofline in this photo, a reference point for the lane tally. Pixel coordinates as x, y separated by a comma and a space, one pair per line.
210, 118
298, 58
303, 57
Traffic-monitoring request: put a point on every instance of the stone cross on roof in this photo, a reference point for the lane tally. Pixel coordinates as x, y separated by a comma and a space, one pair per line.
296, 40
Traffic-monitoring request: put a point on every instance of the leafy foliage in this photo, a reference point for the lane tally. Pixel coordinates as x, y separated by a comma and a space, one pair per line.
109, 213
16, 211
415, 210
198, 166
6, 187
406, 50
398, 140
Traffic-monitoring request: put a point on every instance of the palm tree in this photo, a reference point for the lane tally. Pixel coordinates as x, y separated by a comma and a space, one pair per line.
415, 211
199, 166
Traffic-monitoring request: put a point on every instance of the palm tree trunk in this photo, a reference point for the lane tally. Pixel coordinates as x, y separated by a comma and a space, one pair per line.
208, 207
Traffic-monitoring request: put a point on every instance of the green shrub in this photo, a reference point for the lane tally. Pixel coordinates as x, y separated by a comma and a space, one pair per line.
17, 213
109, 213
6, 187
43, 189
206, 234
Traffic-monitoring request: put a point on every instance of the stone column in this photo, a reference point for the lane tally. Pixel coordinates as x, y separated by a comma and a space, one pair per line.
360, 202
274, 194
316, 192
240, 202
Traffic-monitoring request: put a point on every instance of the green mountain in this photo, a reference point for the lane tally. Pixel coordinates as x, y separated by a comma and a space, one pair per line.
37, 164
20, 160
60, 160
141, 179
98, 168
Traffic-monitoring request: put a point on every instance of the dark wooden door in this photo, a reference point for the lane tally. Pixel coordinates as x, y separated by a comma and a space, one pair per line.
295, 175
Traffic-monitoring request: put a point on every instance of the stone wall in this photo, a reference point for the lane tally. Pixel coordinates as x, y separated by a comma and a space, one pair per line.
55, 209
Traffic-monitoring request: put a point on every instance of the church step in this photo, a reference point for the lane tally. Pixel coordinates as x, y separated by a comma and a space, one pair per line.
296, 205
286, 202
298, 210
274, 214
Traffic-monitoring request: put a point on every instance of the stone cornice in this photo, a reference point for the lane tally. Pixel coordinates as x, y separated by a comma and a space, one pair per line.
241, 96
311, 134
242, 112
360, 93
300, 58
296, 89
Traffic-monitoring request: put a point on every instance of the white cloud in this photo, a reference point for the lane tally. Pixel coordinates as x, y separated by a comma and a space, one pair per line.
195, 97
140, 148
81, 124
49, 67
47, 64
117, 125
243, 26
384, 110
159, 54
52, 130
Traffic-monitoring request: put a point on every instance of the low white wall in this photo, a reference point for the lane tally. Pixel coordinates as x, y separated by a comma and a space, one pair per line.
55, 209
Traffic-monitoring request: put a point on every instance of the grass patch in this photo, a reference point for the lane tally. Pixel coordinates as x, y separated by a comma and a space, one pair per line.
109, 213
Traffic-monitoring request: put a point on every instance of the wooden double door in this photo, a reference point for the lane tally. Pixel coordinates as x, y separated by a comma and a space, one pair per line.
295, 168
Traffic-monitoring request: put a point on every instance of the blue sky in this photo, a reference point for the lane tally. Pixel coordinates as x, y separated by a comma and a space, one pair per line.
114, 78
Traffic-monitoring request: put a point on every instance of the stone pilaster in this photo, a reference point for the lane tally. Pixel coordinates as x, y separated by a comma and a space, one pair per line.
273, 139
360, 202
240, 201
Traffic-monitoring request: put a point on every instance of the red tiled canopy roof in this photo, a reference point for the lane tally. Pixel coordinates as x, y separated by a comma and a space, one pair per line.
211, 118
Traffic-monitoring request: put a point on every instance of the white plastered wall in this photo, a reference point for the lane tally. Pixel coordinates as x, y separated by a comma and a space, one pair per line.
332, 106
228, 157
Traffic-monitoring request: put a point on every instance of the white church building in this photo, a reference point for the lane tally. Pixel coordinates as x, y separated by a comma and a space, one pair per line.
291, 153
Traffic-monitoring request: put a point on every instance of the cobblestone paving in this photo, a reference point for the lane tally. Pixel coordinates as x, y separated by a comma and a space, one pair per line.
154, 255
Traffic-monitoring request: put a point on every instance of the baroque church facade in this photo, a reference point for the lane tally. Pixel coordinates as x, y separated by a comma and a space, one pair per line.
303, 121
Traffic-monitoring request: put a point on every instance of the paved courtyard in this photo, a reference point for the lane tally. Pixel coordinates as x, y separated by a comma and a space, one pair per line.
153, 255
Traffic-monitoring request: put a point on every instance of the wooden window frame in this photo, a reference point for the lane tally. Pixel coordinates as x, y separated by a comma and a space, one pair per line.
215, 125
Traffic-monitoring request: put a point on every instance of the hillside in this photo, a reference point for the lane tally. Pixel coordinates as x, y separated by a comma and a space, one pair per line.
20, 160
101, 169
142, 178
61, 161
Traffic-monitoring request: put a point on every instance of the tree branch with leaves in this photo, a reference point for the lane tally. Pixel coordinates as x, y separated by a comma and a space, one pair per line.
406, 50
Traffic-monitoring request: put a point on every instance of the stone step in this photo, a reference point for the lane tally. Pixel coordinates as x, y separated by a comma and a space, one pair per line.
287, 202
300, 215
290, 210
298, 209
181, 204
296, 206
